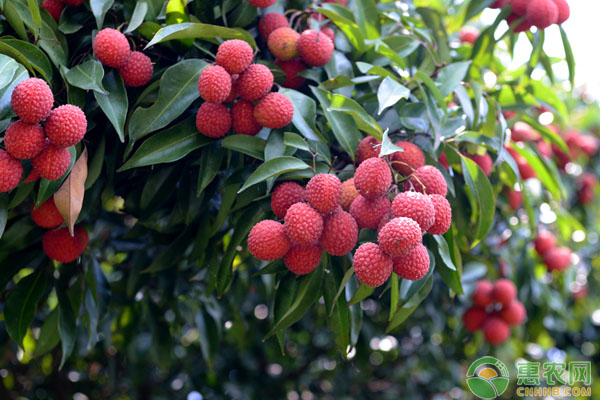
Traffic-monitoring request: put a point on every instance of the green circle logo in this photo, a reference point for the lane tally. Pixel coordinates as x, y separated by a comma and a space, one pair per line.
487, 378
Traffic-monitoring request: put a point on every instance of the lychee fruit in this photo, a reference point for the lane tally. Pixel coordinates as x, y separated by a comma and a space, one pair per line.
59, 245
504, 292
499, 4
427, 179
262, 3
267, 240
373, 178
544, 241
213, 120
468, 34
371, 265
383, 221
563, 11
291, 69
523, 132
324, 192
416, 206
24, 141
33, 176
412, 265
329, 32
269, 22
234, 55
303, 224
367, 148
32, 100
137, 69
399, 236
368, 213
519, 7
542, 13
274, 111
54, 8
349, 193
443, 159
233, 94
284, 196
515, 198
484, 161
47, 215
52, 162
283, 43
11, 171
315, 48
525, 169
111, 47
255, 82
242, 115
495, 330
514, 314
214, 84
558, 258
340, 233
301, 259
523, 26
407, 161
474, 318
66, 125
482, 296
443, 215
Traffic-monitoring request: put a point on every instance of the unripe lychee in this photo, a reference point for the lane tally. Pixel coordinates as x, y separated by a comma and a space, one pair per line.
474, 318
407, 161
373, 178
416, 206
427, 179
274, 111
399, 236
340, 233
324, 192
302, 260
255, 82
24, 141
367, 148
563, 11
371, 265
52, 162
484, 161
292, 68
544, 241
315, 48
303, 224
542, 13
269, 22
234, 55
47, 215
111, 47
283, 43
514, 314
284, 196
213, 120
412, 265
262, 3
443, 215
59, 245
519, 7
54, 8
368, 213
495, 330
504, 292
32, 100
349, 193
66, 125
482, 296
137, 69
11, 171
558, 258
267, 241
214, 84
468, 34
242, 115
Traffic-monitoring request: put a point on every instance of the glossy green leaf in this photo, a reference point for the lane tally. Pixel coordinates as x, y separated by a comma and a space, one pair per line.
482, 191
137, 18
304, 113
99, 9
53, 41
452, 75
27, 54
346, 24
367, 18
87, 76
272, 168
361, 293
251, 145
390, 92
210, 161
194, 30
49, 336
67, 325
114, 102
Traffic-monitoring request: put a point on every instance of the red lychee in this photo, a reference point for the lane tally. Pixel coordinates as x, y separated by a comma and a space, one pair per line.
563, 11
66, 125
340, 233
416, 206
47, 215
368, 213
234, 55
274, 111
137, 70
214, 84
291, 69
284, 196
111, 47
407, 161
349, 193
544, 241
302, 260
474, 318
482, 296
367, 148
371, 265
523, 132
468, 34
324, 192
269, 22
495, 330
443, 215
523, 26
525, 169
484, 161
11, 171
427, 179
329, 32
54, 8
213, 120
255, 82
32, 100
283, 43
412, 265
262, 3
542, 13
267, 241
399, 236
514, 314
519, 7
303, 224
52, 162
33, 176
315, 48
373, 178
515, 198
558, 258
242, 115
24, 141
59, 245
504, 292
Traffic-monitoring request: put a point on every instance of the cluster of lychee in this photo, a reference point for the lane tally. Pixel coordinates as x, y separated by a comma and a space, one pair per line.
58, 244
579, 145
46, 146
56, 7
495, 308
111, 47
556, 258
538, 13
235, 77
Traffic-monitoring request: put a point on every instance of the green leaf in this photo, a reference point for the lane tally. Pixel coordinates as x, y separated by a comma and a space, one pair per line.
367, 17
53, 42
272, 168
446, 268
114, 102
27, 54
568, 56
14, 19
361, 293
390, 92
548, 177
210, 161
451, 75
294, 140
546, 133
304, 113
346, 24
67, 325
475, 8
34, 10
8, 68
273, 267
99, 9
394, 296
195, 30
363, 120
49, 336
345, 279
87, 76
171, 254
251, 145
484, 196
139, 12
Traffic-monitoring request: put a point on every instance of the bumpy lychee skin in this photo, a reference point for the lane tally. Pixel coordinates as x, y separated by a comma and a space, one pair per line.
563, 11
262, 3
474, 318
233, 94
514, 314
416, 206
214, 84
292, 68
52, 162
269, 22
482, 296
267, 240
368, 213
242, 115
558, 258
407, 161
137, 70
47, 215
234, 55
255, 82
324, 192
111, 47
11, 171
303, 224
371, 265
484, 161
59, 245
349, 193
66, 125
283, 43
384, 221
54, 8
495, 330
315, 48
274, 111
504, 292
399, 236
213, 120
340, 233
427, 179
443, 215
367, 148
329, 32
286, 195
24, 141
373, 178
542, 13
412, 265
544, 241
32, 100
302, 260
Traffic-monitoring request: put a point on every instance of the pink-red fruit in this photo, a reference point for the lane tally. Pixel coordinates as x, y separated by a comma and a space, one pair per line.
563, 11
412, 265
214, 84
407, 161
262, 3
542, 13
11, 171
315, 48
59, 245
544, 241
267, 241
443, 215
47, 215
52, 162
137, 70
24, 141
213, 120
269, 22
558, 258
291, 69
242, 114
283, 43
474, 318
367, 148
482, 296
286, 195
371, 265
368, 213
234, 55
302, 260
416, 206
303, 224
111, 47
32, 100
324, 192
255, 82
399, 236
274, 111
349, 193
427, 179
54, 8
504, 292
373, 178
514, 314
66, 125
340, 233
495, 330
